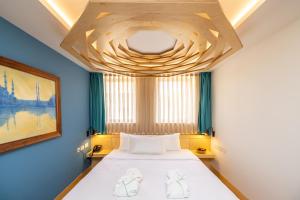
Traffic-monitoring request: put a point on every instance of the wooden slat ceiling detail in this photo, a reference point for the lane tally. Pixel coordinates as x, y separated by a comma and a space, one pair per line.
203, 35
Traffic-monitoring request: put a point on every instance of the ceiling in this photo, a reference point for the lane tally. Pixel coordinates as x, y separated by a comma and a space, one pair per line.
72, 9
50, 29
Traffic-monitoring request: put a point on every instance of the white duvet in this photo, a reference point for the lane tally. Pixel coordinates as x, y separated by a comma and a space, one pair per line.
100, 182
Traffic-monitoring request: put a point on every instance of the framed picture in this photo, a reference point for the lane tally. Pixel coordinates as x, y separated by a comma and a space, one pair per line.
29, 105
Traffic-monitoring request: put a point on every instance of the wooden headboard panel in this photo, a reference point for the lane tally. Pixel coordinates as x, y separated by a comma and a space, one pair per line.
191, 142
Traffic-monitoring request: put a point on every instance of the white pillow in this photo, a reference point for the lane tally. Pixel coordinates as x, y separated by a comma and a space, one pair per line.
146, 145
172, 142
124, 141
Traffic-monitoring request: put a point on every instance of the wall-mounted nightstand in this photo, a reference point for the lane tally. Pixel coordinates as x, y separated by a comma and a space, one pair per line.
97, 156
206, 155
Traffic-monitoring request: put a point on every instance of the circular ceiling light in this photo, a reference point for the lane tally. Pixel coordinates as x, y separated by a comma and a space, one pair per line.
151, 42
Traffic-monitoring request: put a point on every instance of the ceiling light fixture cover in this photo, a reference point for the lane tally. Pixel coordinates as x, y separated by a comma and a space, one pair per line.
151, 42
203, 36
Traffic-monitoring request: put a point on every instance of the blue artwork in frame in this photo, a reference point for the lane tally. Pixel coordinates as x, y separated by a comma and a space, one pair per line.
29, 105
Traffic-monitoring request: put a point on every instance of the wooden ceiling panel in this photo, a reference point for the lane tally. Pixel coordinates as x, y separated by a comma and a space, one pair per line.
98, 39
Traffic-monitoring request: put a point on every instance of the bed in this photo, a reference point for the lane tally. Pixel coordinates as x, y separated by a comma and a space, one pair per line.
100, 182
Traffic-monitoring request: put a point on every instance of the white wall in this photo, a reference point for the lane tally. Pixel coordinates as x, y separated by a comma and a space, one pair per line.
256, 115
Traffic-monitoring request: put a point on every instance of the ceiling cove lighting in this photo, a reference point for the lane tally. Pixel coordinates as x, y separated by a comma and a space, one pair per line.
246, 12
58, 13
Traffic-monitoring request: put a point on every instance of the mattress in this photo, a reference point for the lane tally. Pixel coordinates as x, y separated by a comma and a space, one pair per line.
99, 183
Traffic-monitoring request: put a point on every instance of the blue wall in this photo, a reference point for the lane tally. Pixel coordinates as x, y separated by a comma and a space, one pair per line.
41, 171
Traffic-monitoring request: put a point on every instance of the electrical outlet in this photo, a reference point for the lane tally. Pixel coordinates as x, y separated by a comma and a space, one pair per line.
78, 149
81, 147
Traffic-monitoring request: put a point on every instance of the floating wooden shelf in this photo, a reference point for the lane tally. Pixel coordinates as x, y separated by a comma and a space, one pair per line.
100, 154
206, 155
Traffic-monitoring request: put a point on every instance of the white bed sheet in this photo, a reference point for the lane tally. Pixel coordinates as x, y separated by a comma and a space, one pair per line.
99, 183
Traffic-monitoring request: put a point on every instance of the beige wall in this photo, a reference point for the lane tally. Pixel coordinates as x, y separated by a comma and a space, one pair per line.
256, 114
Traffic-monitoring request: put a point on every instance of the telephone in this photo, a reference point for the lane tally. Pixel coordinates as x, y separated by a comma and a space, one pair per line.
97, 148
201, 150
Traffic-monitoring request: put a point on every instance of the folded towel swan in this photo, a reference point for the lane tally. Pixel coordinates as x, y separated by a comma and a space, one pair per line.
128, 185
177, 187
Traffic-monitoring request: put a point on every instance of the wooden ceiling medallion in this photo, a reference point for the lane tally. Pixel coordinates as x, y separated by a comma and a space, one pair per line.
203, 36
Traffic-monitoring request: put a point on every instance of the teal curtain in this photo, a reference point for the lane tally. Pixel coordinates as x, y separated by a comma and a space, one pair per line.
97, 107
204, 116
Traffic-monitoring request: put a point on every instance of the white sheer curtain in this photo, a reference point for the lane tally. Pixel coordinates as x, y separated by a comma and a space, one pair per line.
177, 100
151, 105
120, 103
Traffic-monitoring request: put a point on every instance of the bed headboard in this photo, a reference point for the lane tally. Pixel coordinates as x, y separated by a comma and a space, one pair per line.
191, 142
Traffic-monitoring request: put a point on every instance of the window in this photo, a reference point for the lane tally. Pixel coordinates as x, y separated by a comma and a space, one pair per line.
120, 98
151, 105
176, 99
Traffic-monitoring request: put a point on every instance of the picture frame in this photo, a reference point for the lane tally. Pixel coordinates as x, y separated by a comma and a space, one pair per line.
30, 107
